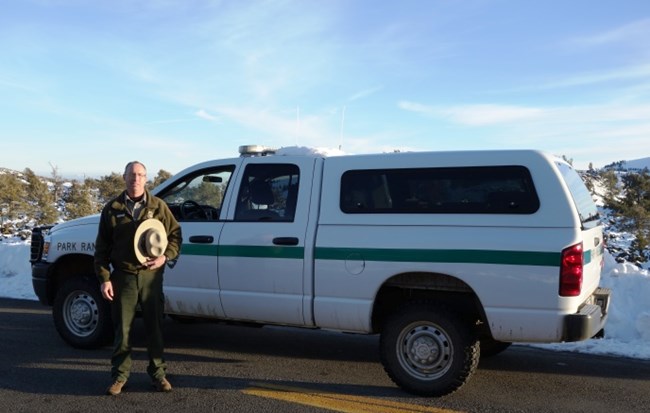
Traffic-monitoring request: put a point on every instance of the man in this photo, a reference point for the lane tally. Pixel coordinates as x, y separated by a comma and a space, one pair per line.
127, 281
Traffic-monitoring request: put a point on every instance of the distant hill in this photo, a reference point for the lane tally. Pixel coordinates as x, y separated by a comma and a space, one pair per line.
634, 165
638, 164
9, 171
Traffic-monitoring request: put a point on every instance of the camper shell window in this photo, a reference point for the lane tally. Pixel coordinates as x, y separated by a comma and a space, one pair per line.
458, 190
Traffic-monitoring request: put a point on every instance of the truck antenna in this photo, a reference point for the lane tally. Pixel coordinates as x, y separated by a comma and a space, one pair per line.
341, 130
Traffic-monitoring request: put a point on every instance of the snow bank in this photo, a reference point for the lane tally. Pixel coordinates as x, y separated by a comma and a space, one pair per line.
15, 270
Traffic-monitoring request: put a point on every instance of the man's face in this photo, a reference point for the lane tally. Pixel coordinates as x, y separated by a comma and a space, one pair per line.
135, 178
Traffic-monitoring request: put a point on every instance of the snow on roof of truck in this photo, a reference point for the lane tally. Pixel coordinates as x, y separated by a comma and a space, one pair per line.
306, 151
261, 150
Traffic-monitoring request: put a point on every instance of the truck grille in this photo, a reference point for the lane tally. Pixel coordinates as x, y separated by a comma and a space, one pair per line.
36, 250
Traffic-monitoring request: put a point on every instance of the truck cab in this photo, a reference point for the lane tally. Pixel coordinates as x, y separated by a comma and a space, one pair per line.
239, 216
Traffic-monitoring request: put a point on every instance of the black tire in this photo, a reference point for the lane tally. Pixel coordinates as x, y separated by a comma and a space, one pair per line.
491, 347
428, 350
82, 317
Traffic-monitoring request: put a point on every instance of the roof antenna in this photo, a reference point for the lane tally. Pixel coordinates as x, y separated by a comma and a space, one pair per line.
341, 130
297, 124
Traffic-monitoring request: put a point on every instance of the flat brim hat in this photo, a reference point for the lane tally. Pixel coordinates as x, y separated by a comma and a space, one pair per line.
150, 240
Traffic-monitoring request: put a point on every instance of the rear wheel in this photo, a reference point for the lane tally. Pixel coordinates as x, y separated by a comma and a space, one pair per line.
428, 350
81, 315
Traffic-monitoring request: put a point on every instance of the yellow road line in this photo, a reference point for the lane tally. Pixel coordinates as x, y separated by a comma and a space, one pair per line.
337, 402
24, 311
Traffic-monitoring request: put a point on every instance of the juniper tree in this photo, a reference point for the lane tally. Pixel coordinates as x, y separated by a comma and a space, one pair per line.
639, 246
161, 177
79, 202
609, 180
42, 204
12, 195
57, 181
110, 186
632, 204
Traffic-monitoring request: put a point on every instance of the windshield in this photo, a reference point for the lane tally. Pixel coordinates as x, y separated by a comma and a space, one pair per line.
581, 196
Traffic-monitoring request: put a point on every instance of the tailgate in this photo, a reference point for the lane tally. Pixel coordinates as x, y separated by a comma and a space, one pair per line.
593, 247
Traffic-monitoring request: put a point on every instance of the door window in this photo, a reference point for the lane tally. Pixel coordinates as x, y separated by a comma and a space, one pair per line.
268, 192
199, 196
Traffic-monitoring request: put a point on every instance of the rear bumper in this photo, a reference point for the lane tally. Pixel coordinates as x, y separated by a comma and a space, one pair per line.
590, 318
41, 281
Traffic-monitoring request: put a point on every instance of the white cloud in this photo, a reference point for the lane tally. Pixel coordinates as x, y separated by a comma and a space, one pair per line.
491, 114
201, 113
477, 115
287, 126
624, 73
590, 133
364, 93
418, 108
10, 84
637, 31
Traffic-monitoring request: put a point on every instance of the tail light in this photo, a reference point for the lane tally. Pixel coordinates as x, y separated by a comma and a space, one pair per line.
571, 271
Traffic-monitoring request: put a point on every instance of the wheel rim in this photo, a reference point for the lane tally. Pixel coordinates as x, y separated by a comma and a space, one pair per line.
425, 351
80, 313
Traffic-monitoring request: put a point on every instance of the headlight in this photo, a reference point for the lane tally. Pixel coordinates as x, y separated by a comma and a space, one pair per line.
46, 249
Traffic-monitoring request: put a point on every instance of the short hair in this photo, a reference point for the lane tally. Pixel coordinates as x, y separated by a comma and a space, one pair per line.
130, 164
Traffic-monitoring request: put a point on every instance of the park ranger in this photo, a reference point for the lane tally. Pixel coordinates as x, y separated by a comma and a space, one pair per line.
137, 235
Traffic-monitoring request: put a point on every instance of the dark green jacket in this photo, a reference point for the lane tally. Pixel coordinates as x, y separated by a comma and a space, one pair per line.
114, 244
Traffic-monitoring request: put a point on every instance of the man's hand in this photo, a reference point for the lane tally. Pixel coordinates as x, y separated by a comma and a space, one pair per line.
155, 263
107, 290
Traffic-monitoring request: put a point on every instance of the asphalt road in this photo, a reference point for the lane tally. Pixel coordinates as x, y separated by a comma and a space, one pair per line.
221, 368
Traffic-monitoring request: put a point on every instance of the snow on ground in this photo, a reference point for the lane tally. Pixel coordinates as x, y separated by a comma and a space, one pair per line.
15, 270
627, 330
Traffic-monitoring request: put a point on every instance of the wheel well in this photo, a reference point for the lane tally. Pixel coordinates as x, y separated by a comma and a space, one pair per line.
442, 289
67, 267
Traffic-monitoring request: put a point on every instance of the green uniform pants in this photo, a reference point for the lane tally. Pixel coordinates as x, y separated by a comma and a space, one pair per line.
146, 289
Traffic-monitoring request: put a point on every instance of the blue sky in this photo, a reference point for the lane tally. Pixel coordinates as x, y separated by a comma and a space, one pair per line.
87, 86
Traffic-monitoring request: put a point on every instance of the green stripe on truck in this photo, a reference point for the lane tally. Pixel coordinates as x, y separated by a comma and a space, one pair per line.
380, 254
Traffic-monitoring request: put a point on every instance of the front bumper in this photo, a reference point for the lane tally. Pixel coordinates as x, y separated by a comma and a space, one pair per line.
41, 281
590, 318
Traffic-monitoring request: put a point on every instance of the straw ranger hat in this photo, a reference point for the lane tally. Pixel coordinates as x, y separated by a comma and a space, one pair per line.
150, 240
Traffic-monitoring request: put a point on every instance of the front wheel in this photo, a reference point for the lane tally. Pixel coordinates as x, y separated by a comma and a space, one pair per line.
81, 315
428, 350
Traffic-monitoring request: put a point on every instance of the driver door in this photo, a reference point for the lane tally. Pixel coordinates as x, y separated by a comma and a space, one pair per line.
192, 285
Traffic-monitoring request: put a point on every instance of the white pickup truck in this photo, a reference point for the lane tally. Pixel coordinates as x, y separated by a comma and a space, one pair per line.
446, 255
